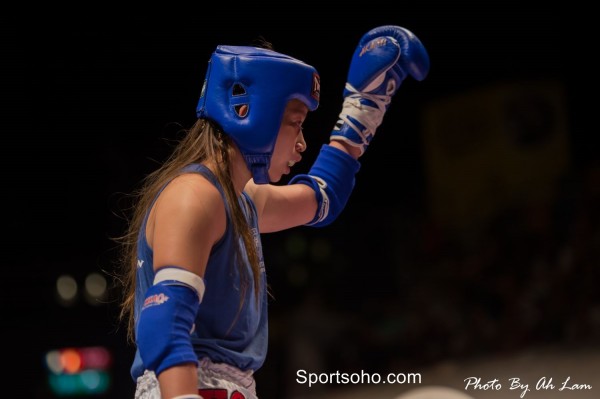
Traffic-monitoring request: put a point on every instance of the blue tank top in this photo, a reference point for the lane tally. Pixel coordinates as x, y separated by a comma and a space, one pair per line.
225, 333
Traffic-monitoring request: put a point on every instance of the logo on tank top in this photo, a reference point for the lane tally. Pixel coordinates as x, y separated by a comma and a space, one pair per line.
140, 263
258, 245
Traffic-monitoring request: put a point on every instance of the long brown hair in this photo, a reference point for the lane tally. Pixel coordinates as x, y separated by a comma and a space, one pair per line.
203, 142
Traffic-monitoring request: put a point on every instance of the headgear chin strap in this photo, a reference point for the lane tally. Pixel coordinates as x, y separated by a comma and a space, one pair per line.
246, 91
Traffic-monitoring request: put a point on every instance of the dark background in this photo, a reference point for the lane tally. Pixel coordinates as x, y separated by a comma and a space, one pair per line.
92, 102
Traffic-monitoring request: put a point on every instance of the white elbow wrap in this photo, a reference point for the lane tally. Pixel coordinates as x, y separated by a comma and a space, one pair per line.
177, 275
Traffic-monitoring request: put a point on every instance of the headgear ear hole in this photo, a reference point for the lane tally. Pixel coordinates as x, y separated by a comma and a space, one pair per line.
238, 90
242, 110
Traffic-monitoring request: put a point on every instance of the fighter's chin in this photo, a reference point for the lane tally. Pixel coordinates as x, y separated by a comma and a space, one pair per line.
274, 177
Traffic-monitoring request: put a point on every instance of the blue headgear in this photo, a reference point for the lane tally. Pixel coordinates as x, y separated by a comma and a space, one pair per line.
246, 91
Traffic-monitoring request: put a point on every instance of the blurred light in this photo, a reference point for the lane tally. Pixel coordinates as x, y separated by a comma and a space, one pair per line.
79, 371
95, 288
92, 380
64, 384
73, 360
53, 361
66, 288
96, 357
70, 360
89, 382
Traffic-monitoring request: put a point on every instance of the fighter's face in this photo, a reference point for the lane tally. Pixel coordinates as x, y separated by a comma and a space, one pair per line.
290, 140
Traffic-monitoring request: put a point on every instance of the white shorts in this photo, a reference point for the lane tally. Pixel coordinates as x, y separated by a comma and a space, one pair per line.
215, 381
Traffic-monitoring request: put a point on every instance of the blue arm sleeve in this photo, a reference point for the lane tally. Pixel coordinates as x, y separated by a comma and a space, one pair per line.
332, 178
165, 324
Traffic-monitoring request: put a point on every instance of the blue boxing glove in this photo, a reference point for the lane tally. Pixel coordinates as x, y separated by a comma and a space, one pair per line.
382, 60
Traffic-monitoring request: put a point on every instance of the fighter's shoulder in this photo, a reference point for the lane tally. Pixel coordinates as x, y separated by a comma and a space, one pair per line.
193, 192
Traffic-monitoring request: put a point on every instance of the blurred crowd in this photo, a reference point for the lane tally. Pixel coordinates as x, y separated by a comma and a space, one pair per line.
418, 292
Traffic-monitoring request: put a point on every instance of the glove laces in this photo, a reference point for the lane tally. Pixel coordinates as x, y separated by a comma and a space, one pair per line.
369, 116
